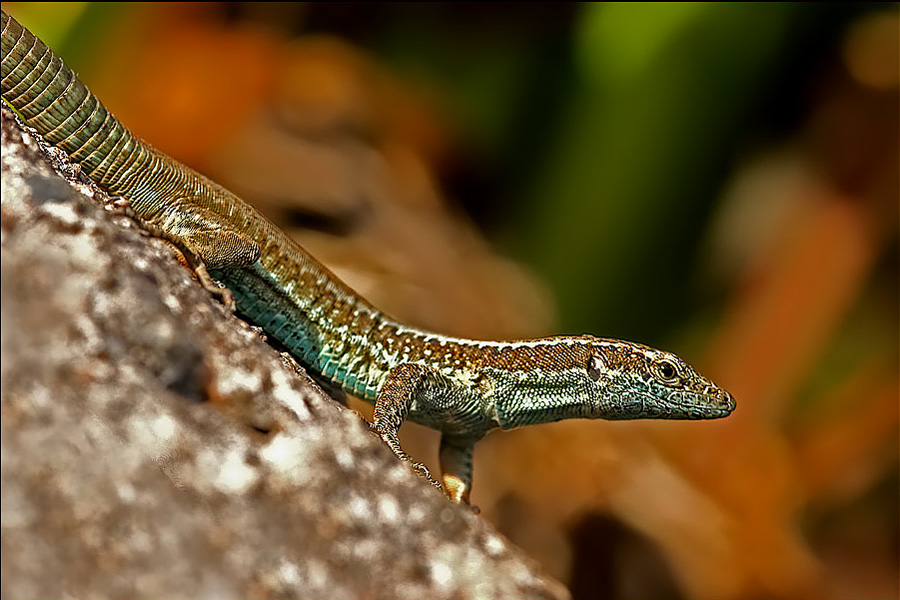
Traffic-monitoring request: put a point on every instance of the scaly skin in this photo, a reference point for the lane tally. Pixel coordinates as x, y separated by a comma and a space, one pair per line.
463, 388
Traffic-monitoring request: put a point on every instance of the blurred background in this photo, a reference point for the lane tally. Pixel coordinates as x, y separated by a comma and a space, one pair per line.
719, 180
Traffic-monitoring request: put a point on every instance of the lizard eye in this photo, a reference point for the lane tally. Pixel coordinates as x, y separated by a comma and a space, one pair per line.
595, 367
667, 370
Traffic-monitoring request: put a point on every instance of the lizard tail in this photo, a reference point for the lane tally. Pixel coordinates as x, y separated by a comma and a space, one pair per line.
50, 97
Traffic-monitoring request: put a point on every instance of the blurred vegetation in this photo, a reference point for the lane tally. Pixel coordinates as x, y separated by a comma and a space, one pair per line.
581, 129
720, 179
604, 124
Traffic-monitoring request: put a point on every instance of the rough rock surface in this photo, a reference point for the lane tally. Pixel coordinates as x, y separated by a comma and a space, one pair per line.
154, 446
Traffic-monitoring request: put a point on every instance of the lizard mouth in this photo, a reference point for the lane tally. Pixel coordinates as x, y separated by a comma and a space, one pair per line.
700, 406
729, 403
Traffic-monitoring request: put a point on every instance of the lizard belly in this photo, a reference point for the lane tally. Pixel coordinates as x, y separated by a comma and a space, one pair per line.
460, 409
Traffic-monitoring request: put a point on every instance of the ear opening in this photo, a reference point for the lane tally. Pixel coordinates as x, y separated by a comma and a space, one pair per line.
596, 366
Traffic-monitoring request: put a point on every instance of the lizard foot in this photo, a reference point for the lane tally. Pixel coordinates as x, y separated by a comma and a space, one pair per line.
390, 438
221, 292
456, 489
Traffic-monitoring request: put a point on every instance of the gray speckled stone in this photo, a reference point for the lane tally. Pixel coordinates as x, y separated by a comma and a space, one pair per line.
154, 446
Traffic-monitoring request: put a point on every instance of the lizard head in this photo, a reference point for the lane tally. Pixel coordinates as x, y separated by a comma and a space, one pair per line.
595, 378
632, 381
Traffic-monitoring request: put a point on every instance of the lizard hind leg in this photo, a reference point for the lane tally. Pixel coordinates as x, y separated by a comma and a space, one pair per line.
213, 239
205, 241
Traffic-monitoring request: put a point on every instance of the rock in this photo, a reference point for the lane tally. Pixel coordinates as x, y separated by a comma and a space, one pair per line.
153, 445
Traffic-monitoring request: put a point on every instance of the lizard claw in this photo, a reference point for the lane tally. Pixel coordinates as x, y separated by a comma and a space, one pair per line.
422, 471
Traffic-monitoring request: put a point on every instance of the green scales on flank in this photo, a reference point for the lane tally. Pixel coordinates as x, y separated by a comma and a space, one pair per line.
462, 388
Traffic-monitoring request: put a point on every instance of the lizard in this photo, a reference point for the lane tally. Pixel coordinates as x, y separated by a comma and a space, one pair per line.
463, 388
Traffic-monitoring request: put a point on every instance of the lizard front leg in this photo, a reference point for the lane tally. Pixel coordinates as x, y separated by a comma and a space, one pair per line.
456, 466
405, 384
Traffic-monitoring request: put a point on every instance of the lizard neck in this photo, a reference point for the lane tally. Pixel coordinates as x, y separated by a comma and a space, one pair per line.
532, 397
537, 381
